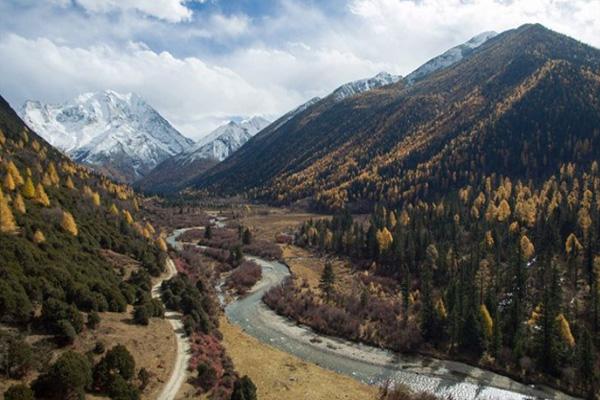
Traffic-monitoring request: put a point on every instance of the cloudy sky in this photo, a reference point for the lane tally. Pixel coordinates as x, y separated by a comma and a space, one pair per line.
200, 62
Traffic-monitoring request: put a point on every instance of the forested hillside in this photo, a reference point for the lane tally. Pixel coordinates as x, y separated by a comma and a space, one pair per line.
58, 224
502, 273
519, 105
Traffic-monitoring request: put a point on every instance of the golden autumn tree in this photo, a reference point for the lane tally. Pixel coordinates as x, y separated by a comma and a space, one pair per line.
161, 244
96, 199
565, 330
503, 211
69, 183
68, 223
13, 171
19, 204
488, 322
38, 237
384, 239
40, 196
9, 183
127, 217
527, 249
114, 210
7, 219
440, 308
28, 189
572, 245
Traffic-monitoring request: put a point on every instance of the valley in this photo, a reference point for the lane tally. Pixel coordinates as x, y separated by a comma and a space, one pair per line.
353, 200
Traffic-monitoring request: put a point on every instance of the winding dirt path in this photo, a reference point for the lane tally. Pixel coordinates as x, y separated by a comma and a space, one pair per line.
179, 373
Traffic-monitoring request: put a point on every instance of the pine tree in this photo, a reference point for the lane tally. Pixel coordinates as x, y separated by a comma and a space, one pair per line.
327, 281
7, 220
247, 237
208, 232
68, 223
586, 362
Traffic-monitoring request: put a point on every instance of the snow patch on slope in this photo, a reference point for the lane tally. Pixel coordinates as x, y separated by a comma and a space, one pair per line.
449, 57
104, 128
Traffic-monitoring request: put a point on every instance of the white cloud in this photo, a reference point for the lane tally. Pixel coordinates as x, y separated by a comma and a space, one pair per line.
217, 65
168, 10
190, 93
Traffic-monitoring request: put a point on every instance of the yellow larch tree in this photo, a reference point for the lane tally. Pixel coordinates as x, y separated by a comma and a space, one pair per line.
114, 210
7, 219
28, 189
503, 211
38, 237
9, 183
565, 330
572, 245
488, 322
53, 175
527, 248
12, 170
96, 199
40, 196
69, 183
127, 217
440, 308
19, 204
384, 239
161, 244
68, 223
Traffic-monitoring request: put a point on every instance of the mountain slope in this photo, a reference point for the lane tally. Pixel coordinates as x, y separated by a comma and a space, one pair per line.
364, 85
449, 57
518, 104
118, 134
57, 221
175, 172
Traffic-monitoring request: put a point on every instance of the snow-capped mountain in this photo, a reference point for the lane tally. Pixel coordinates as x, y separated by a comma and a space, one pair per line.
119, 134
224, 140
449, 57
362, 85
175, 172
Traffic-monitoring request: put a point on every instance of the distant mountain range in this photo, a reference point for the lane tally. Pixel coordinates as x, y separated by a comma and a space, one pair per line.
175, 172
516, 104
118, 134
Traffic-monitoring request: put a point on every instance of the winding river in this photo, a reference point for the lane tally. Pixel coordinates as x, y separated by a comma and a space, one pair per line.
365, 363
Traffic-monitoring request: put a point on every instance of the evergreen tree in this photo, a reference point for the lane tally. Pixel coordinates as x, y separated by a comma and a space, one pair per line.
327, 281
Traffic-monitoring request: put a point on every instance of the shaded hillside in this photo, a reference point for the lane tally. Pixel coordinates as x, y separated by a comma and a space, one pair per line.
171, 175
523, 101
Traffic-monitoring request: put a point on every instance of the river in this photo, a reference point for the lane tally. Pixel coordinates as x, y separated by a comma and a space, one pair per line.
365, 363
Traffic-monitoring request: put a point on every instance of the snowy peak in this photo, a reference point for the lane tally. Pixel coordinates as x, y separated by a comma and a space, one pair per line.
363, 85
119, 133
449, 57
224, 140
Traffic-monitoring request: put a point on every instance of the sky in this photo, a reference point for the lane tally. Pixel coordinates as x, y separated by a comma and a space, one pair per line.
202, 62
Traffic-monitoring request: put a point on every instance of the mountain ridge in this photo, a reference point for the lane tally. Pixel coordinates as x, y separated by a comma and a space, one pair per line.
176, 171
119, 134
356, 145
